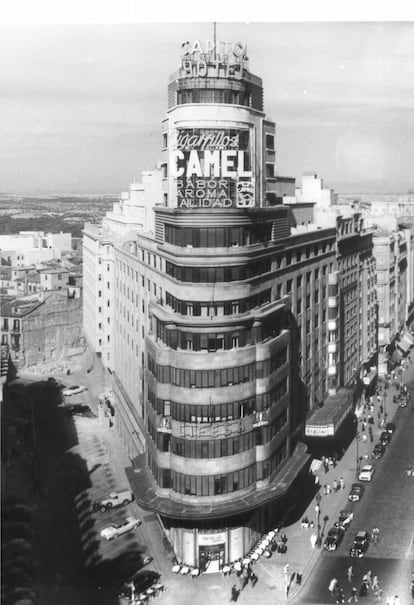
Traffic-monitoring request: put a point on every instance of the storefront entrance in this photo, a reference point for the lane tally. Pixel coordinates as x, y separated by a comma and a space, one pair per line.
211, 557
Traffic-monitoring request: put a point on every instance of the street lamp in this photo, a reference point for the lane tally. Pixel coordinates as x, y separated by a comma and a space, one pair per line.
357, 437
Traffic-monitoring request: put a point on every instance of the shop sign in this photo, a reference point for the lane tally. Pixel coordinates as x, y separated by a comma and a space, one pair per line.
319, 431
214, 59
213, 430
209, 539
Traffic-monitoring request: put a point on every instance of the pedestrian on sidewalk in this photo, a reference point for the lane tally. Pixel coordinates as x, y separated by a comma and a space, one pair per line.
313, 540
328, 489
350, 573
378, 595
367, 578
332, 586
375, 584
234, 594
363, 591
335, 485
342, 482
325, 489
340, 597
299, 575
375, 535
353, 596
253, 579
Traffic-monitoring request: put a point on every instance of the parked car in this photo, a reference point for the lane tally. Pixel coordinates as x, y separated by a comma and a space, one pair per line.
78, 409
390, 427
141, 581
385, 437
366, 473
131, 562
114, 500
345, 519
361, 544
52, 384
75, 389
378, 451
114, 531
334, 538
356, 493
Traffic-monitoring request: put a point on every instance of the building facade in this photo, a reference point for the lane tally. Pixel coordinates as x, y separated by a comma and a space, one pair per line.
45, 327
220, 333
233, 322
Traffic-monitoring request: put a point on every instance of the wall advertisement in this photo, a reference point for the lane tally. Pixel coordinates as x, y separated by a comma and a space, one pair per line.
212, 168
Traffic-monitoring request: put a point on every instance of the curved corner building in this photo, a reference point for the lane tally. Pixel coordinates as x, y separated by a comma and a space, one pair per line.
214, 421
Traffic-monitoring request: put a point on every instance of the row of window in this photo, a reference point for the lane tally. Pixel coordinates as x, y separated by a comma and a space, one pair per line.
217, 274
213, 448
207, 309
216, 378
14, 324
218, 237
196, 485
229, 97
217, 412
194, 341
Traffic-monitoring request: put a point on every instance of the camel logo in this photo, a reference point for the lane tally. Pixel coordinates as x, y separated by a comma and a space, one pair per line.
245, 194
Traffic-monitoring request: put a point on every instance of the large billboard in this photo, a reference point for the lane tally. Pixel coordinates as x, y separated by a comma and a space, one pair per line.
212, 168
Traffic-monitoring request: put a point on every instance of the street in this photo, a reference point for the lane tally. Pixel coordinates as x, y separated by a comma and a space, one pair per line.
387, 504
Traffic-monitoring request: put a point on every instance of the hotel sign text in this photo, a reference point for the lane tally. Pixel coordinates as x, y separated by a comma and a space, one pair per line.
214, 59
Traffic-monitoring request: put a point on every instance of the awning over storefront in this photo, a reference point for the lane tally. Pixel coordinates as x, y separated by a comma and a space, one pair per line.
397, 356
403, 345
408, 338
370, 377
325, 421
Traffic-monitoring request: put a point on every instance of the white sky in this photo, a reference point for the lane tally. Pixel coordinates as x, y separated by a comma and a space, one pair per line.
81, 104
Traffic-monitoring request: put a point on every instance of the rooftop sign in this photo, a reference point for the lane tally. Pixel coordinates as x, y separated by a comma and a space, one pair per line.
216, 59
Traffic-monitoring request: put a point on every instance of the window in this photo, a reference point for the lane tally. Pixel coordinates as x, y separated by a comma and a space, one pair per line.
270, 170
270, 141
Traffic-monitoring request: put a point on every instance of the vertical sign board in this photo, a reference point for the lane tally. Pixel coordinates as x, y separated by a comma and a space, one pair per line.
212, 168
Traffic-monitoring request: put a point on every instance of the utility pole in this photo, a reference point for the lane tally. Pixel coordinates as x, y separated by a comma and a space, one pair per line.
357, 438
